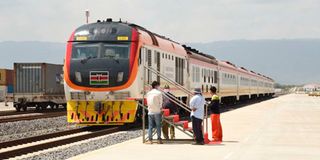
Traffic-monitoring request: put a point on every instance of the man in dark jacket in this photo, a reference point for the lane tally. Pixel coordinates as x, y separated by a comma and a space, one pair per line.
215, 115
168, 104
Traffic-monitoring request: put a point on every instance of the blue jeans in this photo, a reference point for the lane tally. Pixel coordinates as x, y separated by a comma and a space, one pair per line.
154, 121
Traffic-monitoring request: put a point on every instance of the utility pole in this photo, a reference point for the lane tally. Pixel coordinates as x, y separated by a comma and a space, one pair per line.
87, 15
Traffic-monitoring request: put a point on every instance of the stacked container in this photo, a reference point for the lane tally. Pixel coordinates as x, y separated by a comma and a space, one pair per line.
6, 84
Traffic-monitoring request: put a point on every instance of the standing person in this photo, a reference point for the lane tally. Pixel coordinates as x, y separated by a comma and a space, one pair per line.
197, 103
154, 102
215, 115
168, 104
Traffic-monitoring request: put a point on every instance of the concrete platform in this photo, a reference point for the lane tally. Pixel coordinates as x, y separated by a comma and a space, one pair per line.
287, 127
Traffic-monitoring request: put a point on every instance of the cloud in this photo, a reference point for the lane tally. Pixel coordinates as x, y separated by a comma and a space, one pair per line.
183, 21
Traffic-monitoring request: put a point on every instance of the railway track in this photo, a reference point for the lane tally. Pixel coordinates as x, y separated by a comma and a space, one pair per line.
15, 148
14, 118
14, 112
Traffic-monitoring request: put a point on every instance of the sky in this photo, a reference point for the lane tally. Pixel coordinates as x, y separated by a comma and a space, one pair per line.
181, 20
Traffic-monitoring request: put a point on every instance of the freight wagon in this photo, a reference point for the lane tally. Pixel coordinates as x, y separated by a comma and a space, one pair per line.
38, 85
6, 84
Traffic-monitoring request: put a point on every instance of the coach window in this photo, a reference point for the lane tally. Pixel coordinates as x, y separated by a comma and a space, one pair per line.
193, 74
201, 72
155, 57
209, 76
198, 74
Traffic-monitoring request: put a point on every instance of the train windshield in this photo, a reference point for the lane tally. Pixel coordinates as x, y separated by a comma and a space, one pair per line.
100, 51
115, 51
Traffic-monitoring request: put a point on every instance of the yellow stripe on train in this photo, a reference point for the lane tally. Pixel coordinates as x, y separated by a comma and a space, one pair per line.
101, 112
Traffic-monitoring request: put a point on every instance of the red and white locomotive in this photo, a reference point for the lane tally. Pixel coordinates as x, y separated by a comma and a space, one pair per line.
104, 72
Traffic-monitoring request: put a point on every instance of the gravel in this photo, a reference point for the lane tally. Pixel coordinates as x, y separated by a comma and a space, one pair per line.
23, 129
87, 146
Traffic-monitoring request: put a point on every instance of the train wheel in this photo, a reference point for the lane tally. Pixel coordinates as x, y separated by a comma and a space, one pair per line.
18, 108
37, 107
24, 108
44, 106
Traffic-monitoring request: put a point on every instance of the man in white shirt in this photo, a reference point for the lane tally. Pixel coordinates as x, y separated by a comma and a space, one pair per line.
197, 103
154, 102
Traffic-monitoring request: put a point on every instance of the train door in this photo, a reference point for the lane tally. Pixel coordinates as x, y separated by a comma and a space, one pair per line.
238, 86
188, 74
216, 80
157, 60
149, 64
152, 60
179, 69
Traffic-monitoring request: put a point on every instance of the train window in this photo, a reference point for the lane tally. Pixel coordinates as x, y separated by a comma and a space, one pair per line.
82, 51
115, 52
209, 76
193, 71
215, 76
166, 56
162, 55
172, 57
198, 74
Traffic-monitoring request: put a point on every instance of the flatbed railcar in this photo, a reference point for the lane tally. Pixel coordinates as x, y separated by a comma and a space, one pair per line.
105, 75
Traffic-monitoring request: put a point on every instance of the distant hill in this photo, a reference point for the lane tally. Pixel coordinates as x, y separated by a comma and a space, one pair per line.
294, 61
30, 51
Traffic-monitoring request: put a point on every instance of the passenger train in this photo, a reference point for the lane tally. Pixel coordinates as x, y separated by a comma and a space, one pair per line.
105, 76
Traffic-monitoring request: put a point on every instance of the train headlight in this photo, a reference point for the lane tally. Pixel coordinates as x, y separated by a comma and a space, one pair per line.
120, 77
78, 76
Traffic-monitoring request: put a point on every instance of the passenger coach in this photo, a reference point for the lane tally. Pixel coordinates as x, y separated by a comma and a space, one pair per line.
104, 72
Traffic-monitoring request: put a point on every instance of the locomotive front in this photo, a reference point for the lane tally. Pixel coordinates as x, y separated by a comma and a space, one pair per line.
100, 70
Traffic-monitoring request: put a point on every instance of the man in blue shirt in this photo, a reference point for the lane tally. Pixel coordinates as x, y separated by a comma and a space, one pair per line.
197, 103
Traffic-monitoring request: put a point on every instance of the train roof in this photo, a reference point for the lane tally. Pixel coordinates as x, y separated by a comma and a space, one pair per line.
195, 51
155, 41
228, 64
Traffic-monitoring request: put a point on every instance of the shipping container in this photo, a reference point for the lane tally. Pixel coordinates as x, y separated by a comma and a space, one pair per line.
10, 88
6, 77
38, 85
38, 78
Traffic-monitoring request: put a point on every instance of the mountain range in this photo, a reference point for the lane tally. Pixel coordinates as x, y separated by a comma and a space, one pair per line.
287, 61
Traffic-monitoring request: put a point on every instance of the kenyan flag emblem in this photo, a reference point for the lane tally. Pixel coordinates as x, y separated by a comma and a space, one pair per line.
99, 78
